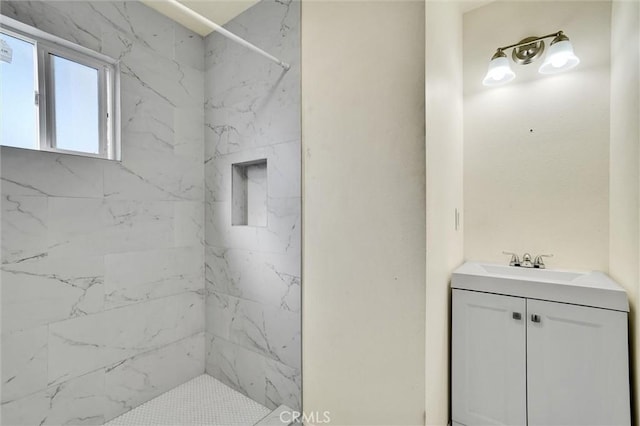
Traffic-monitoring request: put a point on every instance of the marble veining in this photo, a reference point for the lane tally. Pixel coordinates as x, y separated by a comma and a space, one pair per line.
48, 289
134, 381
24, 228
256, 376
121, 280
271, 331
252, 273
270, 279
102, 262
141, 276
24, 367
80, 345
77, 401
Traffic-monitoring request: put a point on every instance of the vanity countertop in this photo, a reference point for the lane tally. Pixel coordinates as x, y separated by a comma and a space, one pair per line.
585, 288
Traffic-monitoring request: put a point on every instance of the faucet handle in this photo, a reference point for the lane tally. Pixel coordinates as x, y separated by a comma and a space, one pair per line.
515, 260
538, 262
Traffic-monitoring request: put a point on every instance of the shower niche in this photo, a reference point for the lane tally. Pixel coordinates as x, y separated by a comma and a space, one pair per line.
249, 193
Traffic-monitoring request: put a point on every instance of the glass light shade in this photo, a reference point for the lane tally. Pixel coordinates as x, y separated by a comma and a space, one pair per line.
560, 57
499, 72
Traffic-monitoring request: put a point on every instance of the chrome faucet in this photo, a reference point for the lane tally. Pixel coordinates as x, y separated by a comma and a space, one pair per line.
538, 262
515, 260
526, 262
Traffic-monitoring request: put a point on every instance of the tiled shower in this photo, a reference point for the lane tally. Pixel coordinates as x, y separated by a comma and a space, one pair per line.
252, 165
123, 280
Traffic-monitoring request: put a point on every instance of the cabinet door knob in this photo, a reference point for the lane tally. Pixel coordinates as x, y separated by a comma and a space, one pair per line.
535, 318
517, 316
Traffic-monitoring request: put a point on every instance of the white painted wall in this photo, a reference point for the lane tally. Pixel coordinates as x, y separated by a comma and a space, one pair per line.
619, 173
536, 151
364, 211
444, 160
624, 231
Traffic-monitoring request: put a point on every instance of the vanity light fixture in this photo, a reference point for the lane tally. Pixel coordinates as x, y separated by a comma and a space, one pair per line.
559, 58
499, 71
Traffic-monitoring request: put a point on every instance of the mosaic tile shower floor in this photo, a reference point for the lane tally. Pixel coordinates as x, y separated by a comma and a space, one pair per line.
201, 401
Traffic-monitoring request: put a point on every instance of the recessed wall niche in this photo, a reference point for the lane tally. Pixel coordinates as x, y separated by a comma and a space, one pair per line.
249, 193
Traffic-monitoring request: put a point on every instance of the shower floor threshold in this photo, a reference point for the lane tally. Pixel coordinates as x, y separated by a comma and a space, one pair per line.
200, 401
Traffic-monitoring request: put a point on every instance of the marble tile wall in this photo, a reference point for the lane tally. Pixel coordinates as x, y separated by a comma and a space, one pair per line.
103, 262
252, 273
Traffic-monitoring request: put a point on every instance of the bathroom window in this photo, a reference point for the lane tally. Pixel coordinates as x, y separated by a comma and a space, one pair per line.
56, 96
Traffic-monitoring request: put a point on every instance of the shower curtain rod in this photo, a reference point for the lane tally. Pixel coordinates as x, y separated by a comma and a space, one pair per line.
228, 33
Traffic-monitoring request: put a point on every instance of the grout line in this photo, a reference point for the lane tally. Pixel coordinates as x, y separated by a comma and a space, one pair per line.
261, 354
58, 383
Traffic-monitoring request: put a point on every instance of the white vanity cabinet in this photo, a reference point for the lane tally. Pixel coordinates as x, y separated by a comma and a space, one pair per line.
538, 348
489, 359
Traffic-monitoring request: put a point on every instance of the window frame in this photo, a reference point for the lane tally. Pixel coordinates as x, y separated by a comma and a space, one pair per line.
45, 47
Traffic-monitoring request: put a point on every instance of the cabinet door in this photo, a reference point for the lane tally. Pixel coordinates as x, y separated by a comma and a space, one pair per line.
577, 360
488, 377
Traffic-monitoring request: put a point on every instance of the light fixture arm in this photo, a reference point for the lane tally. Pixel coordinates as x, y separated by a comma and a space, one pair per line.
530, 41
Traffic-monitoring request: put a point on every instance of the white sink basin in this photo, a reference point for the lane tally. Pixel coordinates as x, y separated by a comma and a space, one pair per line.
577, 287
531, 273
